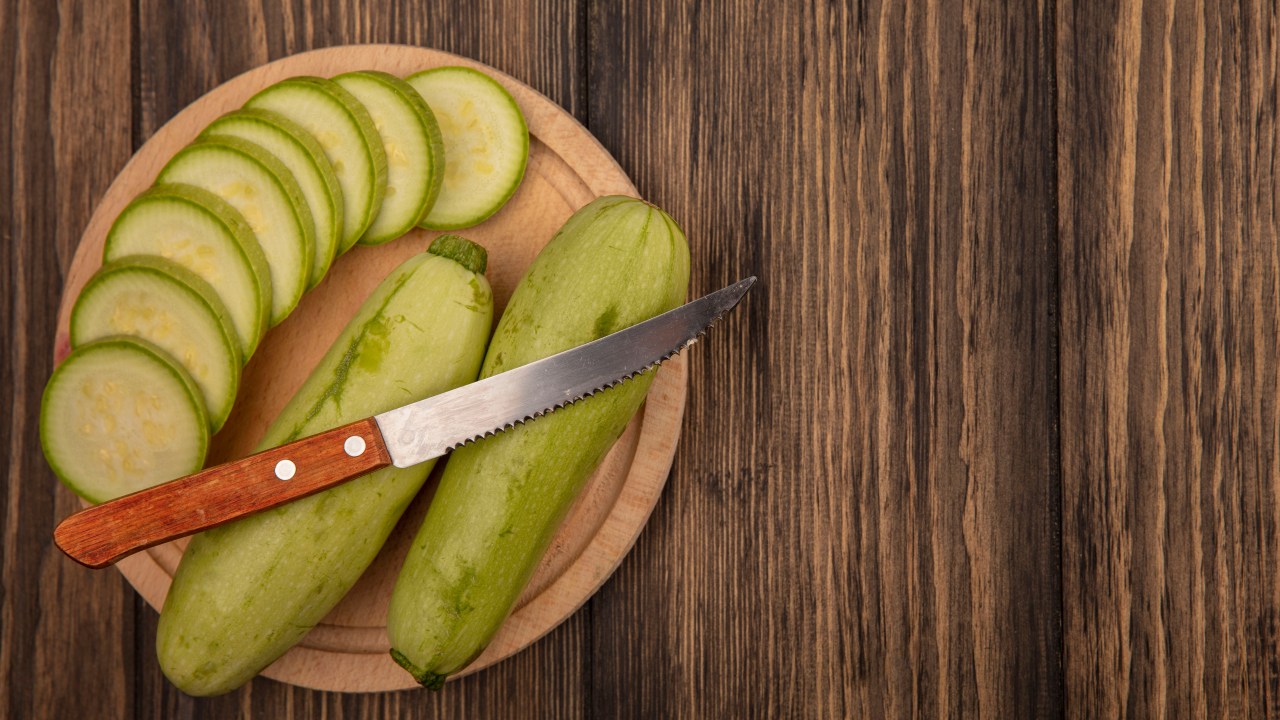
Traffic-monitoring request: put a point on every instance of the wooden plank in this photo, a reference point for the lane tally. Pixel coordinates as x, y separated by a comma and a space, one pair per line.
185, 50
544, 679
1168, 229
64, 134
862, 518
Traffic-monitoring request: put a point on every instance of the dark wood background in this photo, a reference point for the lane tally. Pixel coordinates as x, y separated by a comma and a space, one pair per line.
996, 435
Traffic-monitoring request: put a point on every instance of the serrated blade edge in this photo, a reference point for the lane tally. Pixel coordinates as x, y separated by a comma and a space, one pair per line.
432, 427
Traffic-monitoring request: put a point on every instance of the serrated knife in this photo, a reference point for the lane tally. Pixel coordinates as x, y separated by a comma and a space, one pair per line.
405, 436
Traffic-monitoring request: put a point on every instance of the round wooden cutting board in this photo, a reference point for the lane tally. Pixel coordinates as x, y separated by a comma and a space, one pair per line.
567, 169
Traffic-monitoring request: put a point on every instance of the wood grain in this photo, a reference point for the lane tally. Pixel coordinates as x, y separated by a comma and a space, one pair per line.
995, 436
55, 172
861, 522
1168, 258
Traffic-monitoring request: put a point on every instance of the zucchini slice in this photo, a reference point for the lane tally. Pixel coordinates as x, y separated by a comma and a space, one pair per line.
344, 129
415, 153
299, 151
254, 182
162, 302
201, 232
486, 144
119, 416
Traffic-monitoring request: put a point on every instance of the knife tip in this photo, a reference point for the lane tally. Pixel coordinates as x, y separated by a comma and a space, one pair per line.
739, 289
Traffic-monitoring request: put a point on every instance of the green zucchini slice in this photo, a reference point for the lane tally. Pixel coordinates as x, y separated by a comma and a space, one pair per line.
344, 129
163, 303
201, 232
258, 185
415, 153
119, 416
301, 153
486, 144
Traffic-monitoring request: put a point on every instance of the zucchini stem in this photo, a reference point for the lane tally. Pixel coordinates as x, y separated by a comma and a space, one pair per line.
426, 678
468, 254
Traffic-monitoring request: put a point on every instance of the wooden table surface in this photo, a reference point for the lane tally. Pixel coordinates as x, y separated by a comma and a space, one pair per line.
995, 436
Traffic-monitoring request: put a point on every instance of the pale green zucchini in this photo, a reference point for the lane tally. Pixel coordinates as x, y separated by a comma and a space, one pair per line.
486, 144
265, 193
204, 234
302, 155
118, 416
248, 591
618, 261
345, 130
158, 300
415, 154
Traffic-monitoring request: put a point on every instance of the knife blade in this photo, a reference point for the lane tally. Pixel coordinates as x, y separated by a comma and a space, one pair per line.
405, 436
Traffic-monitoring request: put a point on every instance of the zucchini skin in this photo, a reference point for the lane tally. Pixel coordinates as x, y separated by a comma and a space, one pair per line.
195, 287
48, 418
471, 219
434, 146
248, 591
244, 241
617, 262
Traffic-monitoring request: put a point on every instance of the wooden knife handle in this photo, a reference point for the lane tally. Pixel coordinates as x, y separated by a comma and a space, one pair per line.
101, 535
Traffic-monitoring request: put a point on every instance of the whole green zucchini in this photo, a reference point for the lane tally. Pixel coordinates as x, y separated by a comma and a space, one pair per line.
248, 591
617, 262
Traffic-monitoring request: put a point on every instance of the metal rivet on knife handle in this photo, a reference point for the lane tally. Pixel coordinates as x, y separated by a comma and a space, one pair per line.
421, 430
104, 533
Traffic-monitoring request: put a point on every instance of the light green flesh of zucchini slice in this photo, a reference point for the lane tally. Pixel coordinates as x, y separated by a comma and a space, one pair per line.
148, 303
486, 144
338, 132
414, 151
263, 200
191, 234
118, 417
321, 193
